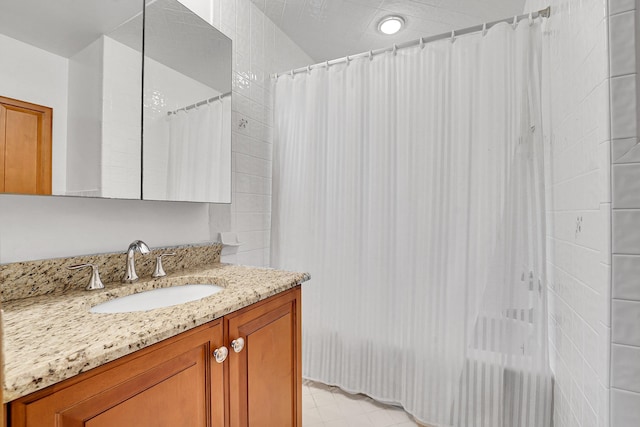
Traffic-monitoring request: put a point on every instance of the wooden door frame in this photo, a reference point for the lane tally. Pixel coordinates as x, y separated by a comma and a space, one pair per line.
44, 177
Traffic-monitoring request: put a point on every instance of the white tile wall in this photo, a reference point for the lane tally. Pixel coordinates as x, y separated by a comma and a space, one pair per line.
620, 6
626, 239
578, 147
625, 156
625, 408
623, 106
120, 121
260, 49
625, 319
621, 26
626, 271
84, 130
625, 151
626, 186
625, 373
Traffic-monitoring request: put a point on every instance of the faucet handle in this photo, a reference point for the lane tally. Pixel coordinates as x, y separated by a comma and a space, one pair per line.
94, 280
159, 272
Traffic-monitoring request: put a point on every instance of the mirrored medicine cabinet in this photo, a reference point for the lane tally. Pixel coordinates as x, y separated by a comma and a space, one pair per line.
87, 110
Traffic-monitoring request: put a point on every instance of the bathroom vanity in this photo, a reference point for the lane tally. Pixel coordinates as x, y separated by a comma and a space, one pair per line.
230, 359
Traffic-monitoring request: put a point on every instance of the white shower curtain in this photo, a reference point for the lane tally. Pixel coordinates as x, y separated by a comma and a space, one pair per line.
410, 185
199, 157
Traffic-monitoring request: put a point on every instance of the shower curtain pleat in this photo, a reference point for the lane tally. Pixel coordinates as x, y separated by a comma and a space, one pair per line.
410, 186
199, 157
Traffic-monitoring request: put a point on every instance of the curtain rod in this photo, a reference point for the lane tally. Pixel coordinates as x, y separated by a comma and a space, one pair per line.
197, 104
543, 13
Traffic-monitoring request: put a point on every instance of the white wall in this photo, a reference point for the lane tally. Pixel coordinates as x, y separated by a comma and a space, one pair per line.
85, 121
121, 111
34, 75
33, 227
259, 48
578, 209
625, 156
38, 227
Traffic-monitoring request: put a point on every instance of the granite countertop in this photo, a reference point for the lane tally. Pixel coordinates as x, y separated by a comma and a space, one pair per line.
50, 338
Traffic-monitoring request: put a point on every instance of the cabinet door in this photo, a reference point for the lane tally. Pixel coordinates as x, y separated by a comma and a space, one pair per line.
168, 384
265, 380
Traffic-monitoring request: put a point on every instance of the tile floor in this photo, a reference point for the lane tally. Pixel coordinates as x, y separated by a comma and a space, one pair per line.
326, 406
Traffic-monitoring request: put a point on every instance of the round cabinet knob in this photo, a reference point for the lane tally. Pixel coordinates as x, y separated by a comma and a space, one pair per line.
237, 345
220, 354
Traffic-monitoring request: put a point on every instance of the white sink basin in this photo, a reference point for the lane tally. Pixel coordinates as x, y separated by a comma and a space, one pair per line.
156, 298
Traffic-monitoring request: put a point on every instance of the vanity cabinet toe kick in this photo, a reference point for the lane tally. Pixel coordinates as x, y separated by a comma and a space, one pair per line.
243, 369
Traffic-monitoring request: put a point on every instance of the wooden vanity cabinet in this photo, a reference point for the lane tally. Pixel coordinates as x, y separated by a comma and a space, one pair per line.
265, 377
172, 383
177, 382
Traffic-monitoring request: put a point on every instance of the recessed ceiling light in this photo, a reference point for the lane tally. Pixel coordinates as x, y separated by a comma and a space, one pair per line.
391, 24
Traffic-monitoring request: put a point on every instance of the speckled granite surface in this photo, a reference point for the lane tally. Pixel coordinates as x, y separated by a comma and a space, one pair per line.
53, 337
51, 276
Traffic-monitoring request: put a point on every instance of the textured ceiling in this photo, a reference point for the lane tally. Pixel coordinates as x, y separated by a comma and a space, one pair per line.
330, 29
64, 27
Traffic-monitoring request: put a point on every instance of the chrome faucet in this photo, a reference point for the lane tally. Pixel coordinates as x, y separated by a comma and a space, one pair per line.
130, 275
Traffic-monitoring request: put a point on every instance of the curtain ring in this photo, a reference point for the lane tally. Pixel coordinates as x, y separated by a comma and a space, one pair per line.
370, 55
309, 69
515, 22
291, 73
421, 42
453, 36
327, 64
484, 28
530, 18
395, 49
348, 60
